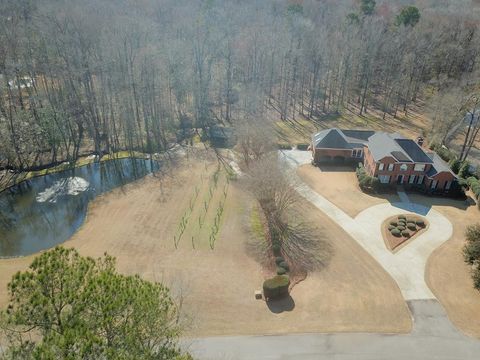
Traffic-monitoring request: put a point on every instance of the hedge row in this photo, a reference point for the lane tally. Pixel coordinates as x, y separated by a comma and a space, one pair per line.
365, 181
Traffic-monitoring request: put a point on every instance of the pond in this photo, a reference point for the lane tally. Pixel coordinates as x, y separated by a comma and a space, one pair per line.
45, 211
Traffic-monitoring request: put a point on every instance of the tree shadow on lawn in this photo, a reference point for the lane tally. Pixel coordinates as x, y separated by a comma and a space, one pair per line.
280, 305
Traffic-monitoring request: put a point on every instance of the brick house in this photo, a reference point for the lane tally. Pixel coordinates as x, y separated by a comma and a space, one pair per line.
391, 158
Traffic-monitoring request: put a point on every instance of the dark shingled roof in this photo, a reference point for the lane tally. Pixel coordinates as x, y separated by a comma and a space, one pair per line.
333, 140
341, 139
414, 151
358, 134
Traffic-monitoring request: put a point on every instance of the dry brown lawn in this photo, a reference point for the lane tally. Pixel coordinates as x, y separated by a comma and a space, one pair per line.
448, 276
137, 223
339, 185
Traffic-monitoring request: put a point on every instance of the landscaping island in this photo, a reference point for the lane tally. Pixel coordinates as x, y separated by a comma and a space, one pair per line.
399, 229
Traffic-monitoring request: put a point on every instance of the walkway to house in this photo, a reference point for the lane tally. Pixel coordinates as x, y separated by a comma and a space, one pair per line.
403, 195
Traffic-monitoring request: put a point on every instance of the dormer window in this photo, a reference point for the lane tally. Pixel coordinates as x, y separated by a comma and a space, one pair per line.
403, 167
419, 167
390, 167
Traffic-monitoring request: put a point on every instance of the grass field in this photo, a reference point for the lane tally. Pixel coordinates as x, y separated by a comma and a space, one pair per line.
215, 285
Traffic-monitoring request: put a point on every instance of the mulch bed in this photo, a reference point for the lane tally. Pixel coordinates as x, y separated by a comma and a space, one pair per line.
393, 242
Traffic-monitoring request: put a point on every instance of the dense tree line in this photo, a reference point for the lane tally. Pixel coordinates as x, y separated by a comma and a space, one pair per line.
101, 76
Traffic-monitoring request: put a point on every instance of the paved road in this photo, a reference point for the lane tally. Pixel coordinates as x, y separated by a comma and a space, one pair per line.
433, 337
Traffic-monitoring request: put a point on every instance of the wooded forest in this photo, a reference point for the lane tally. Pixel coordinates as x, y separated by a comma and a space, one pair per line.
100, 76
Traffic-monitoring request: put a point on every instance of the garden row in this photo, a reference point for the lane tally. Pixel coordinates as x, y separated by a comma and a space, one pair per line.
215, 227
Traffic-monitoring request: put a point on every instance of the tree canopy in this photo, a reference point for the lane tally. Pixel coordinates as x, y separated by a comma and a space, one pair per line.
471, 252
409, 16
368, 7
81, 308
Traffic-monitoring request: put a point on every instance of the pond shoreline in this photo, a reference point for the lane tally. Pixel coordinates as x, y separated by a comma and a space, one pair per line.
47, 210
53, 168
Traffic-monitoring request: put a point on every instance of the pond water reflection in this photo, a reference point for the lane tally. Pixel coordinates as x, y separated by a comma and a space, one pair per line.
45, 211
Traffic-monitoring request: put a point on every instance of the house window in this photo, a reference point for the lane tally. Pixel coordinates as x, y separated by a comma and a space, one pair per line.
420, 180
357, 153
403, 167
448, 185
381, 166
433, 185
390, 167
419, 167
412, 179
384, 179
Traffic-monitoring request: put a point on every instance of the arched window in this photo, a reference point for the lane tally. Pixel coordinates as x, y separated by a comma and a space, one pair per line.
403, 167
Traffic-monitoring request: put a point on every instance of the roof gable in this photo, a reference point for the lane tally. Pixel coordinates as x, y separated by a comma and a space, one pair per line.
414, 151
331, 139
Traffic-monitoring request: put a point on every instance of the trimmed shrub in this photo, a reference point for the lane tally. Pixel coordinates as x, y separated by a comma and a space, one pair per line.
396, 232
393, 223
464, 170
471, 250
405, 234
420, 223
412, 226
455, 165
471, 180
402, 217
365, 181
284, 147
276, 249
402, 223
281, 271
276, 287
391, 227
279, 260
284, 265
475, 187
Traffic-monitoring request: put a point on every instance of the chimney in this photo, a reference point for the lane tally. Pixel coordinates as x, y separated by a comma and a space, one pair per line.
420, 141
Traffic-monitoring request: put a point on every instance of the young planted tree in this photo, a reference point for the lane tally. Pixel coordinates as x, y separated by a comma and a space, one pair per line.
81, 308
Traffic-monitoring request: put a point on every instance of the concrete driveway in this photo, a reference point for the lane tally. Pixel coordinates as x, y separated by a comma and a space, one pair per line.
406, 266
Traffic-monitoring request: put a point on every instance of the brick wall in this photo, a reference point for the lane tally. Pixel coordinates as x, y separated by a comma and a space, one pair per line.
320, 155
